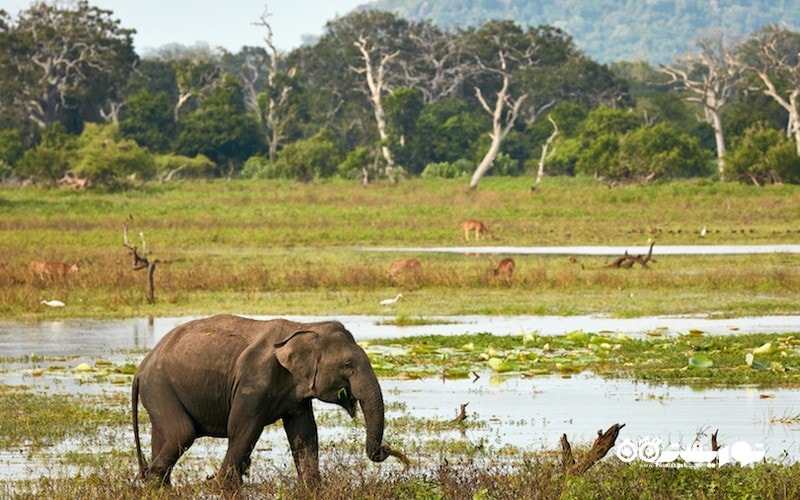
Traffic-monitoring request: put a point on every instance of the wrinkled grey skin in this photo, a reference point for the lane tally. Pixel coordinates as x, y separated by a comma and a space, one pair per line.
228, 377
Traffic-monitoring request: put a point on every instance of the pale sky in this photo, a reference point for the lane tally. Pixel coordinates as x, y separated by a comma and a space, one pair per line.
229, 24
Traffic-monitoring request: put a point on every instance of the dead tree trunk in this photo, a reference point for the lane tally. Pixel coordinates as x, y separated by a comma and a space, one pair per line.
546, 154
502, 123
376, 83
604, 442
141, 262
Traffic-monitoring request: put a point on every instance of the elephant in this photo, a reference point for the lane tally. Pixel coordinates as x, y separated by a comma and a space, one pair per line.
228, 376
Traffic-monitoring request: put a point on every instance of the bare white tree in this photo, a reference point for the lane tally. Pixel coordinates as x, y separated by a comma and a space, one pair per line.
273, 112
504, 112
711, 78
547, 153
195, 79
439, 70
375, 77
774, 56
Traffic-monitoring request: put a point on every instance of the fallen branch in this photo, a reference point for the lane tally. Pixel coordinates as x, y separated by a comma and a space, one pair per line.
604, 442
626, 261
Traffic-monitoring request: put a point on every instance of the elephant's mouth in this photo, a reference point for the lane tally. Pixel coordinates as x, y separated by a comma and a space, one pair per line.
346, 400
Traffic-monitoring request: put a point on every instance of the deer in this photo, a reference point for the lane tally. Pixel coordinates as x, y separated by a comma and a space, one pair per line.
478, 227
402, 266
46, 269
505, 268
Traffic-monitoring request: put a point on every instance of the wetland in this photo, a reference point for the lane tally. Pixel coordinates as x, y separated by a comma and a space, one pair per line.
703, 340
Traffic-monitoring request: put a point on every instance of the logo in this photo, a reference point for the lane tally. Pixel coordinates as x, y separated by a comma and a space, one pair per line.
650, 450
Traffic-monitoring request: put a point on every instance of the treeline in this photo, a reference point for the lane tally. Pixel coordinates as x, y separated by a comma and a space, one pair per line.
378, 96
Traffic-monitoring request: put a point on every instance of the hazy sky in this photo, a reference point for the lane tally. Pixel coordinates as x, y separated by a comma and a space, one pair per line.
229, 24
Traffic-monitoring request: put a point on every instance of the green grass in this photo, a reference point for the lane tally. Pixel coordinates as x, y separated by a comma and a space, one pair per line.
288, 248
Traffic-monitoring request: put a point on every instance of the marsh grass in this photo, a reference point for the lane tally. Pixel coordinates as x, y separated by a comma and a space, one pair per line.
533, 476
288, 248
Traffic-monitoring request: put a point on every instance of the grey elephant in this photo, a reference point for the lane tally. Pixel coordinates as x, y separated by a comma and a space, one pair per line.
228, 376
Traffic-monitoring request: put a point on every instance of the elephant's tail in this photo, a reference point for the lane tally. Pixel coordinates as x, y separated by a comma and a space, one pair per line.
135, 413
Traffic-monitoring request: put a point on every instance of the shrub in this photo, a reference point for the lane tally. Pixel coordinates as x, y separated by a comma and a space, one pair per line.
110, 162
308, 159
504, 164
259, 167
171, 166
447, 170
51, 158
763, 156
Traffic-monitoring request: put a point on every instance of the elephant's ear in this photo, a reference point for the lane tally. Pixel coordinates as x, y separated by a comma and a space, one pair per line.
298, 353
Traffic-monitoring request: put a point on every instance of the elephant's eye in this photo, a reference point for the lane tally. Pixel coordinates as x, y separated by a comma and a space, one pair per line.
348, 364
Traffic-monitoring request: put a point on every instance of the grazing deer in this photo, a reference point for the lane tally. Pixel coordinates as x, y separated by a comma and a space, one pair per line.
46, 269
477, 226
402, 266
505, 268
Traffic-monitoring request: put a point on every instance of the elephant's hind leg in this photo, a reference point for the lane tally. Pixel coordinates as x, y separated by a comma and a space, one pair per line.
171, 438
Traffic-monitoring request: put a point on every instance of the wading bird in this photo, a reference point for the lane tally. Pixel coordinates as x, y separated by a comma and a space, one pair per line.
387, 302
53, 303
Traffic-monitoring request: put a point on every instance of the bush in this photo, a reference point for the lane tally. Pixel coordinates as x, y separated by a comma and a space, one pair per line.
171, 166
504, 164
447, 170
308, 159
356, 162
763, 156
51, 158
644, 154
661, 152
11, 146
110, 162
259, 167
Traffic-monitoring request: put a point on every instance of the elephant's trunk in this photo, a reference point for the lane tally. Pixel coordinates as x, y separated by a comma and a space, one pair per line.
368, 392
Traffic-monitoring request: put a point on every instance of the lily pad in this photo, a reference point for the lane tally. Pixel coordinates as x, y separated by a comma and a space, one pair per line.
700, 361
764, 349
499, 365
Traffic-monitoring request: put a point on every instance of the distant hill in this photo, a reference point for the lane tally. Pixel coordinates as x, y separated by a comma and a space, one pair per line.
656, 31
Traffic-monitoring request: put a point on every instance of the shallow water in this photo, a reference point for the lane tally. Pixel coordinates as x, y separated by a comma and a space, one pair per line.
89, 338
531, 413
601, 250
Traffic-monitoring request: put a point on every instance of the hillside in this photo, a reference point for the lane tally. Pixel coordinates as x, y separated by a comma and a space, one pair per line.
656, 31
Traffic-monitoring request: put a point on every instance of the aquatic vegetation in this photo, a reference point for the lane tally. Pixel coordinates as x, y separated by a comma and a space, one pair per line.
693, 359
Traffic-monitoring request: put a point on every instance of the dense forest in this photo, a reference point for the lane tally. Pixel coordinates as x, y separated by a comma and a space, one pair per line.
378, 96
656, 31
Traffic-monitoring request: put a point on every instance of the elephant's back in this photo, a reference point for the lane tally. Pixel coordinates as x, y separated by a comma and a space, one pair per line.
221, 335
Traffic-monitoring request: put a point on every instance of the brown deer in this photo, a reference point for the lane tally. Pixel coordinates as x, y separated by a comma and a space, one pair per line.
46, 269
505, 268
402, 266
477, 226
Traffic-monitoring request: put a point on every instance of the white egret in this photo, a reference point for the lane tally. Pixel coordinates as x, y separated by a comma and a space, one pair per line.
53, 303
387, 302
703, 232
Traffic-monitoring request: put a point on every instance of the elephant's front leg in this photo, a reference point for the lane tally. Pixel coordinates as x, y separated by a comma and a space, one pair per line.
243, 434
301, 430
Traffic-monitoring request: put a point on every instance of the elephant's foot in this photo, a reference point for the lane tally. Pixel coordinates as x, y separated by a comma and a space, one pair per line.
228, 482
